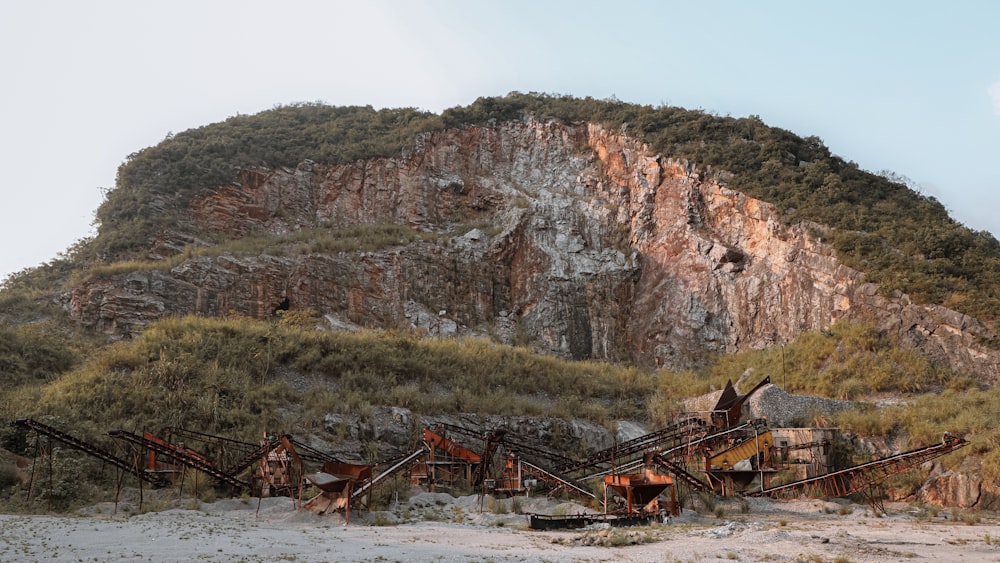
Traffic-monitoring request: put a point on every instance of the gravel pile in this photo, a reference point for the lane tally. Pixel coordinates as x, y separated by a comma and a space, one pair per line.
785, 410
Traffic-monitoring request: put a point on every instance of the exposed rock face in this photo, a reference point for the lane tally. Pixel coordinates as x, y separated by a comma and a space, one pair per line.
585, 247
962, 487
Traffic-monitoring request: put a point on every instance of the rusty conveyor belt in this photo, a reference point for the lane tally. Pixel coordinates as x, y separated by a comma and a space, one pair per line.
400, 465
270, 443
91, 449
853, 479
556, 480
677, 471
182, 457
672, 434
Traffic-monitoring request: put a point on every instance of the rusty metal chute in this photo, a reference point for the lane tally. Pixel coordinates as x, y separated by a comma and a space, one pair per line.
436, 441
641, 491
335, 476
337, 483
727, 410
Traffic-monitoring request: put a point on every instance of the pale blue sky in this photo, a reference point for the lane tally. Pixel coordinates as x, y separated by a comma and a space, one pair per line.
892, 85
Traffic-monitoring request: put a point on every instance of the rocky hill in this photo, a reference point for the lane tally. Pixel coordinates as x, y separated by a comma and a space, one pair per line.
582, 229
575, 239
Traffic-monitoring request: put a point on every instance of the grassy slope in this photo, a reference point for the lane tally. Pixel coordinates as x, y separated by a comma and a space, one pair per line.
229, 376
238, 377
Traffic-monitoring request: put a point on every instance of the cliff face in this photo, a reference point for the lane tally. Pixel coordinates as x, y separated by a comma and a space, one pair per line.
571, 239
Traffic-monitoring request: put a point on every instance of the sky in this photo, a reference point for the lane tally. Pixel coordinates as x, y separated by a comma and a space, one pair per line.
907, 86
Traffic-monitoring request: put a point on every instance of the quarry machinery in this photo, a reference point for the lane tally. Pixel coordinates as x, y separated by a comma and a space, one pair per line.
397, 466
180, 454
506, 439
732, 469
510, 480
641, 492
337, 483
222, 451
520, 475
456, 465
672, 436
864, 476
279, 458
344, 485
678, 471
728, 410
132, 467
279, 469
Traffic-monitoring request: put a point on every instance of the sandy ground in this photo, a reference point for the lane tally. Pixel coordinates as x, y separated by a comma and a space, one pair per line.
436, 527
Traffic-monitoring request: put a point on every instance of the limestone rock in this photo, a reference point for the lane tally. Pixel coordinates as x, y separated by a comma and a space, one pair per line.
584, 246
961, 487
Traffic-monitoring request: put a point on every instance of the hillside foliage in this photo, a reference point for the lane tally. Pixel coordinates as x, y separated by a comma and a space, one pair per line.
237, 377
155, 183
226, 376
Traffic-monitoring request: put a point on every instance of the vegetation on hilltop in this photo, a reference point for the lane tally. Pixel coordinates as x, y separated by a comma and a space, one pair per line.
901, 239
35, 353
155, 183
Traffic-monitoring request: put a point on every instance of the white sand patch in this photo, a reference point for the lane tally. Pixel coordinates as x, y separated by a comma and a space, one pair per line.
234, 530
